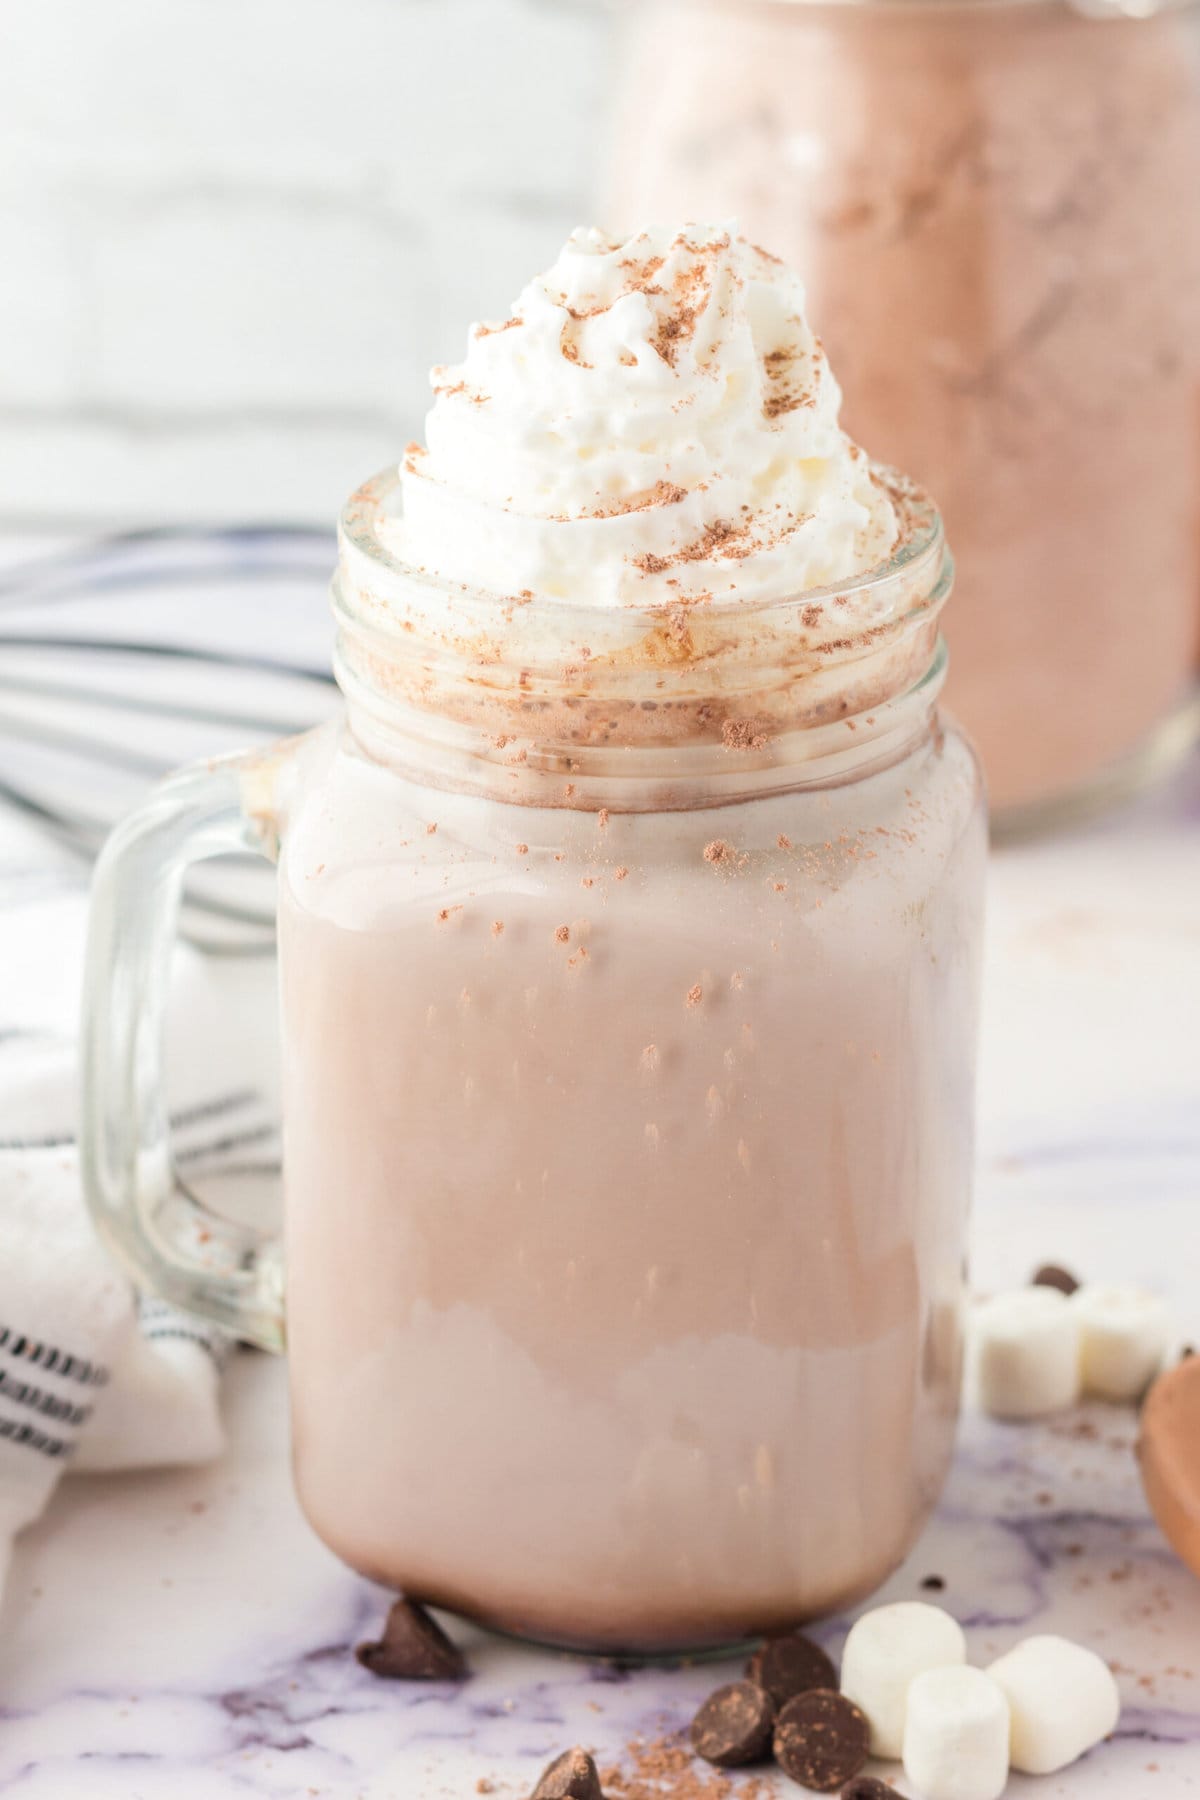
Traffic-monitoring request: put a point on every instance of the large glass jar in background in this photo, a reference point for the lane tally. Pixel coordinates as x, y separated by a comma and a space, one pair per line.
996, 210
629, 967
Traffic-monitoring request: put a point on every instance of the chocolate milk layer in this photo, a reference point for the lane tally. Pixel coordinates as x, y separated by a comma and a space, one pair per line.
627, 1166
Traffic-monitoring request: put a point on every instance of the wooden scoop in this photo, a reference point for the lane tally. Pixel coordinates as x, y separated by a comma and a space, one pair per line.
1169, 1454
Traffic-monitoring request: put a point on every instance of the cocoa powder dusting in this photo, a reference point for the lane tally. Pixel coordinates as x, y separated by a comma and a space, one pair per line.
664, 1769
641, 273
570, 350
695, 994
775, 404
677, 327
782, 394
621, 872
663, 493
717, 851
721, 539
650, 564
563, 934
743, 734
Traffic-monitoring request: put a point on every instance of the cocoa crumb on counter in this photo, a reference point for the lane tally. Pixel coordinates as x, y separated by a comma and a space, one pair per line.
663, 1769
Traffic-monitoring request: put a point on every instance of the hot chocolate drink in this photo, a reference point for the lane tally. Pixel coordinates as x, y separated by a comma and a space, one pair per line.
629, 946
626, 1199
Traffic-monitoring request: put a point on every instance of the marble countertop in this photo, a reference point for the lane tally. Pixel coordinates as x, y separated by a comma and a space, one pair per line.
182, 1636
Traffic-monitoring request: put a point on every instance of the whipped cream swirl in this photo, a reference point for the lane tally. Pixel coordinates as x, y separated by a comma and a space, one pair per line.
656, 423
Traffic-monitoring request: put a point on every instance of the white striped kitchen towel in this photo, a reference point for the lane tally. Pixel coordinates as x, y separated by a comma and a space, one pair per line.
119, 660
92, 1376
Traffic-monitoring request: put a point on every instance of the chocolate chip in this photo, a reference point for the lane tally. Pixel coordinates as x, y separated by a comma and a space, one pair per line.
868, 1787
571, 1776
821, 1740
413, 1648
1050, 1275
734, 1725
787, 1666
933, 1584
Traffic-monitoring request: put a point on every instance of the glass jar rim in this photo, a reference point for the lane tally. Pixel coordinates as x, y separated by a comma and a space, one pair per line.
376, 589
545, 671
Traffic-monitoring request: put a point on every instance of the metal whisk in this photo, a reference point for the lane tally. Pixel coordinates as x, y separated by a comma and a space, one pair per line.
147, 650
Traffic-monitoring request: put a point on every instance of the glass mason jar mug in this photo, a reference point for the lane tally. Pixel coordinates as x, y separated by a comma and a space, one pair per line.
629, 970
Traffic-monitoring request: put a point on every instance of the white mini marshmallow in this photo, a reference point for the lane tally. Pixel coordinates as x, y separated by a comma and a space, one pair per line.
956, 1735
1123, 1339
885, 1650
1062, 1698
1025, 1348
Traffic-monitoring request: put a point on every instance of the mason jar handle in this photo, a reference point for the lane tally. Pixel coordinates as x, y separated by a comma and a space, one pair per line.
229, 1272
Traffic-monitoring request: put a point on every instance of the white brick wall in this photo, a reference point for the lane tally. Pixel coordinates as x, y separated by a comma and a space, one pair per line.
235, 233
